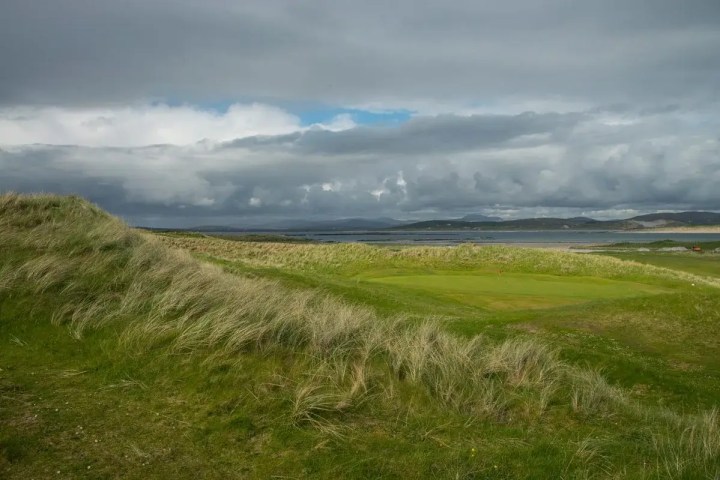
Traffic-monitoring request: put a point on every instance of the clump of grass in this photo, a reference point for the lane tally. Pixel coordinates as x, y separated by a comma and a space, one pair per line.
312, 401
689, 446
524, 362
592, 395
590, 460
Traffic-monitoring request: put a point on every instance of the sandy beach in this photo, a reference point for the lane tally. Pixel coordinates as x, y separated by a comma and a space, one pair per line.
703, 229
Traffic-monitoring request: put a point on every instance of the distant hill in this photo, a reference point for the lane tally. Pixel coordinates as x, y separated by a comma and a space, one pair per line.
522, 224
476, 217
575, 223
348, 224
478, 222
339, 224
681, 218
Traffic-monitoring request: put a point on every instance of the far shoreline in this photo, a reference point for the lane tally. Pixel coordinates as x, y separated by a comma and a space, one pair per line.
708, 229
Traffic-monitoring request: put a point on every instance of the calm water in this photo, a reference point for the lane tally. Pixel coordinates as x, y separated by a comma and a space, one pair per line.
540, 237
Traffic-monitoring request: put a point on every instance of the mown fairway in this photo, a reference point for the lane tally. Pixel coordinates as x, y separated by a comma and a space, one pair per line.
130, 355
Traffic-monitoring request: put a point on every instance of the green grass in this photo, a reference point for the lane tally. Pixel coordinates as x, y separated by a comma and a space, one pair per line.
660, 330
698, 264
121, 357
518, 291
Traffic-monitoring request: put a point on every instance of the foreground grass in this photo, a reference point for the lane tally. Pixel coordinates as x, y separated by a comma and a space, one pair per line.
176, 366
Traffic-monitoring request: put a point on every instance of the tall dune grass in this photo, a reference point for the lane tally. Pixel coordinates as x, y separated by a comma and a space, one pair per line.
107, 273
355, 257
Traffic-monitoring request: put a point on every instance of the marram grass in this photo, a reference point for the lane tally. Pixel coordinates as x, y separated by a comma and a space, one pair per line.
353, 257
120, 275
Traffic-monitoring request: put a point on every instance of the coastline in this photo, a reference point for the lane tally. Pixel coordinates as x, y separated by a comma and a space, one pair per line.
707, 229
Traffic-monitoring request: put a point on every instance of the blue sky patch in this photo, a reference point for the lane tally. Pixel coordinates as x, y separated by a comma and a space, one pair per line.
361, 117
308, 114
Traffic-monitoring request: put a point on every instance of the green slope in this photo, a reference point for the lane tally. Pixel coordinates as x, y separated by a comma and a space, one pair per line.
124, 358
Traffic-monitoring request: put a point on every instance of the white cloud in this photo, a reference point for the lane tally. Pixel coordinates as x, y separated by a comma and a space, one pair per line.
344, 121
141, 125
487, 164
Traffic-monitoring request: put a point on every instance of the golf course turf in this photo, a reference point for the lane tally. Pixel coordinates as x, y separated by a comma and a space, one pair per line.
518, 291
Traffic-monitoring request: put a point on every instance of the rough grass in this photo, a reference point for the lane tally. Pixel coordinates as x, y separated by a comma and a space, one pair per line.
122, 276
109, 275
356, 258
706, 264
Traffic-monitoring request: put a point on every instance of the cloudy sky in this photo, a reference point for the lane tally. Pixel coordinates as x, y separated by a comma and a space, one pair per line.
190, 112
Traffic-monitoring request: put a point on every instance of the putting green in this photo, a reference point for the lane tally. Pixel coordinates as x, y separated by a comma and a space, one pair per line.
513, 291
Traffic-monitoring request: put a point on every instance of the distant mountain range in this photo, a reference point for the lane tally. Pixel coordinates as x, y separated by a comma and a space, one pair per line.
476, 217
317, 225
683, 219
348, 224
483, 222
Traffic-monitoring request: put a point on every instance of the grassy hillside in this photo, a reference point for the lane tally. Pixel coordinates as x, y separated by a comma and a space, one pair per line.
666, 338
126, 356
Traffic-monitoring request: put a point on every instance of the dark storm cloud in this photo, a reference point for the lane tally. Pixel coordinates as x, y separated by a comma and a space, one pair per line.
440, 134
343, 51
550, 162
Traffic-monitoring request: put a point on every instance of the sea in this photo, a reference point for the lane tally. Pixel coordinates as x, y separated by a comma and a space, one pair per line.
439, 237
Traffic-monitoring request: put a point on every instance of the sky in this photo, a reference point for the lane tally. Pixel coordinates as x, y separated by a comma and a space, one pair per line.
179, 113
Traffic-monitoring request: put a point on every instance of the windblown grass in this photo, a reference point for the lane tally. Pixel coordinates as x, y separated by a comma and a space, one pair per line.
126, 277
688, 445
108, 274
352, 258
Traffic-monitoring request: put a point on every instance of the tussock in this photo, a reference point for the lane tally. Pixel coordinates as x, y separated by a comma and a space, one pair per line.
592, 395
687, 442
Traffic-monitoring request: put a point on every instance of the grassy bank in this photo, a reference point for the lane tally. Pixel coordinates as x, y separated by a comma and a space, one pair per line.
125, 355
651, 329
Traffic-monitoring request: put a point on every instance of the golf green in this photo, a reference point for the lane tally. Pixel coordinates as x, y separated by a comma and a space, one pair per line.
517, 291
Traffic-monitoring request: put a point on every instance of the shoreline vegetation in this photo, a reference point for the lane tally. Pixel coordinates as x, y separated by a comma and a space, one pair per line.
139, 354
